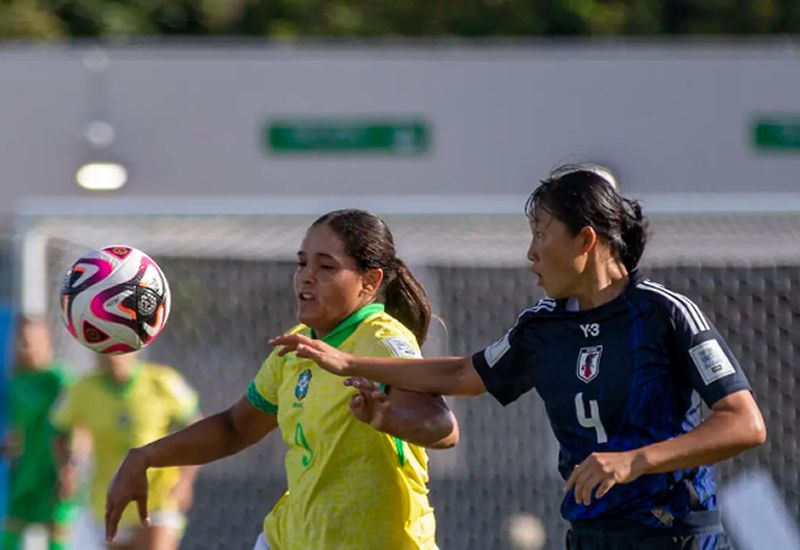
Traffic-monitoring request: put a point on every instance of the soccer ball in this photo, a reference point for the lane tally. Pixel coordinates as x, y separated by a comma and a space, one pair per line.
115, 300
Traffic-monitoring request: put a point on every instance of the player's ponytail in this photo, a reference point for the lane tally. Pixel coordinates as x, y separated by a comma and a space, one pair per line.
368, 240
633, 233
407, 301
582, 195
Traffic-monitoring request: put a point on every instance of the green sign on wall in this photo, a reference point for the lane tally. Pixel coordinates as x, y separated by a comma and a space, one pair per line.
777, 133
371, 136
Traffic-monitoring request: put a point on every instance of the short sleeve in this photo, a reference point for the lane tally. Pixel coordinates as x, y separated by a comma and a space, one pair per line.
398, 347
63, 376
393, 343
263, 390
184, 399
506, 367
67, 412
709, 364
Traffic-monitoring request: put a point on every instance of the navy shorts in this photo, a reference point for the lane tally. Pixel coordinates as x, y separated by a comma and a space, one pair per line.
618, 541
701, 531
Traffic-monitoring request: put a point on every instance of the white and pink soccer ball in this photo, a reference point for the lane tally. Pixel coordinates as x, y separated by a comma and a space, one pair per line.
115, 300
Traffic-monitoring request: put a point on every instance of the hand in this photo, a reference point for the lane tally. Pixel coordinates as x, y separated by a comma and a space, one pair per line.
128, 484
370, 405
327, 357
67, 481
601, 471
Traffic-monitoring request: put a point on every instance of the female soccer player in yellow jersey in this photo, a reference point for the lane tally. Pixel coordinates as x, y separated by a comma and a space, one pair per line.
356, 474
125, 403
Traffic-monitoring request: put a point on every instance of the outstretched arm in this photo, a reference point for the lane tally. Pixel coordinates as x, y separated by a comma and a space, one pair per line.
418, 418
438, 376
183, 491
215, 437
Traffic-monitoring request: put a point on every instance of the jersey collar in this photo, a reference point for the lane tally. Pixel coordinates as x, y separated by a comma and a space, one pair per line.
634, 278
346, 328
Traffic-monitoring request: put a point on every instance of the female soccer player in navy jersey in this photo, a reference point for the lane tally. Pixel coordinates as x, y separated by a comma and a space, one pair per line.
621, 363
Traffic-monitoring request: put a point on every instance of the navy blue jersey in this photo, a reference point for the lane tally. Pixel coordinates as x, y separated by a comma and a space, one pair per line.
618, 377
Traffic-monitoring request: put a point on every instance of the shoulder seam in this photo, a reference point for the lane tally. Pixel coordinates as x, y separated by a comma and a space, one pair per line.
688, 309
159, 368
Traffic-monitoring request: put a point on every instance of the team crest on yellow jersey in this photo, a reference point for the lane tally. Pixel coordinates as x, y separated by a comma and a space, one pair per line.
303, 381
123, 421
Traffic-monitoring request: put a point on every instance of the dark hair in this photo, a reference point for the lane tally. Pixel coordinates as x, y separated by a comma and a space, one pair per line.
369, 242
586, 195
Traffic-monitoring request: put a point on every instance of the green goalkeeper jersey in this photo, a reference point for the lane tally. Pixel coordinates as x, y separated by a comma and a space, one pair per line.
32, 395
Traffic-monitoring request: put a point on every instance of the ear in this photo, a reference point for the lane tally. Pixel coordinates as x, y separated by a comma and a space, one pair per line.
586, 239
371, 280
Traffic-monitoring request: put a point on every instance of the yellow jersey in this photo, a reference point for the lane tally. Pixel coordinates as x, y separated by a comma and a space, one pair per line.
349, 486
119, 417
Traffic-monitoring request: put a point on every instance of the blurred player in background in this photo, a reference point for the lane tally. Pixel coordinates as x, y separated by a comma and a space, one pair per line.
621, 364
355, 466
38, 488
123, 404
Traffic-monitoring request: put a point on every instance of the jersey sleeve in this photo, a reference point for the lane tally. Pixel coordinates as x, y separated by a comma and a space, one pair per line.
710, 365
184, 399
397, 346
63, 375
506, 366
263, 390
67, 413
392, 342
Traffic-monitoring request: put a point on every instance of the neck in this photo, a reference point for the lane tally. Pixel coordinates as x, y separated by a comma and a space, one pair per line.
120, 375
602, 284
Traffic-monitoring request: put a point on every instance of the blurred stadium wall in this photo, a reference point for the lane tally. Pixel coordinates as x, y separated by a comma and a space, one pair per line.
469, 119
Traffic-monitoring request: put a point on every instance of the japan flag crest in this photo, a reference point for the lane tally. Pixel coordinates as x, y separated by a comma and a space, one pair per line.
589, 363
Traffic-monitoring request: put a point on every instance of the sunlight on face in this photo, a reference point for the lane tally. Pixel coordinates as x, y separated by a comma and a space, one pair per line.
327, 283
33, 345
555, 255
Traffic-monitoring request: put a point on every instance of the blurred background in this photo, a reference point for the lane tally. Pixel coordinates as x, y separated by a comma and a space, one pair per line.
211, 133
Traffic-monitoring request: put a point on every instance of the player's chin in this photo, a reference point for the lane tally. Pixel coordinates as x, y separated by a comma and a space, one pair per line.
308, 312
542, 282
552, 291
